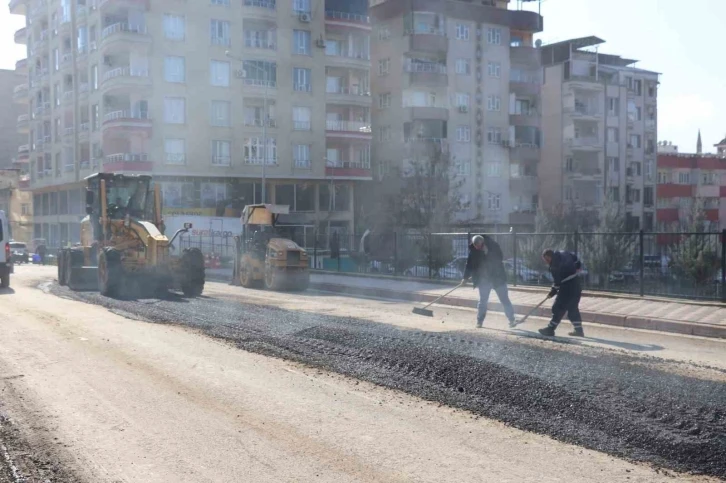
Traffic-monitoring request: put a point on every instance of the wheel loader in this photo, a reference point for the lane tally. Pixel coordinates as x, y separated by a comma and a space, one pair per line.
264, 257
123, 244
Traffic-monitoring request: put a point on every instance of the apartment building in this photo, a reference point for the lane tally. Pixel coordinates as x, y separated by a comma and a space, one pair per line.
599, 118
463, 79
16, 202
209, 96
13, 119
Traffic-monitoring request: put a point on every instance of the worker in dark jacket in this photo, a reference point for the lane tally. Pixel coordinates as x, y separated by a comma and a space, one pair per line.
484, 266
567, 288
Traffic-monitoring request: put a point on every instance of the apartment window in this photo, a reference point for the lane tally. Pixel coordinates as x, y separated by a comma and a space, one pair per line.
463, 134
494, 170
219, 32
494, 103
613, 106
219, 73
223, 3
614, 194
384, 100
175, 151
463, 66
175, 110
613, 164
301, 155
638, 113
634, 141
462, 167
301, 118
25, 209
57, 129
684, 178
57, 94
301, 78
522, 107
174, 27
94, 77
384, 32
301, 6
494, 69
494, 135
663, 177
221, 113
95, 117
174, 69
384, 133
494, 36
568, 193
613, 135
709, 178
569, 165
221, 153
494, 202
462, 101
648, 196
638, 87
651, 89
301, 42
384, 66
254, 151
462, 31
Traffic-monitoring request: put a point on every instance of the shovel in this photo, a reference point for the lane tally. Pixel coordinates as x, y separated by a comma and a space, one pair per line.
524, 319
429, 313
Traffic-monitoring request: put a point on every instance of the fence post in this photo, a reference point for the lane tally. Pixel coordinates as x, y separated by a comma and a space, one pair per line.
431, 256
395, 253
577, 242
641, 241
315, 249
723, 265
514, 254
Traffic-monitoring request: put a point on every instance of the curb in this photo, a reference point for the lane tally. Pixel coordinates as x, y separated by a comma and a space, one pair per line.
630, 322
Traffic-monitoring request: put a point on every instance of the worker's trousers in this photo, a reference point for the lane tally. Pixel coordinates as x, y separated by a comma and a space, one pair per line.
485, 288
567, 302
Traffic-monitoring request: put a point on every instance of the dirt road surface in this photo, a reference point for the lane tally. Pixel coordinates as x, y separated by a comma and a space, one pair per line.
93, 392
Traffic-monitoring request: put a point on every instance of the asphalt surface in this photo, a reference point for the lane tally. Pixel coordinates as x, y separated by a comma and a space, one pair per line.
598, 399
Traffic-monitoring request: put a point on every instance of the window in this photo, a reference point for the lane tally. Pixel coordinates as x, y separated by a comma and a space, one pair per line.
301, 118
174, 69
255, 152
384, 100
494, 170
494, 36
221, 113
175, 151
95, 117
384, 65
219, 32
613, 135
340, 198
462, 100
219, 72
638, 87
94, 77
651, 89
175, 110
462, 167
221, 153
568, 193
463, 66
648, 196
305, 197
384, 133
494, 202
301, 79
494, 103
684, 178
301, 42
57, 130
613, 106
462, 31
463, 134
494, 69
174, 27
569, 165
613, 164
494, 135
25, 209
634, 141
663, 177
301, 6
384, 32
709, 178
57, 94
638, 113
301, 155
522, 107
56, 59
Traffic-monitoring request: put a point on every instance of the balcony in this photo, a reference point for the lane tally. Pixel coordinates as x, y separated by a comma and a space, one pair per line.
349, 20
84, 131
123, 35
584, 83
40, 9
584, 144
525, 86
426, 113
348, 129
23, 123
523, 183
23, 153
650, 125
525, 55
124, 123
583, 112
123, 4
84, 89
41, 110
427, 145
427, 74
348, 95
268, 41
523, 214
257, 122
20, 93
21, 36
260, 8
348, 58
135, 162
66, 61
428, 40
348, 169
524, 118
21, 66
125, 78
18, 7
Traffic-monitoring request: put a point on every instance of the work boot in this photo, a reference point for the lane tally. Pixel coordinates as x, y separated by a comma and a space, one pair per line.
547, 331
479, 324
512, 323
578, 332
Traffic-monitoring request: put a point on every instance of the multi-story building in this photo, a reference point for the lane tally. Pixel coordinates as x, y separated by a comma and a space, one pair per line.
599, 131
463, 79
208, 96
16, 202
13, 118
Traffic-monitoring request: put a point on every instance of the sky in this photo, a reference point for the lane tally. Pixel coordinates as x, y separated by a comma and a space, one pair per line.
681, 42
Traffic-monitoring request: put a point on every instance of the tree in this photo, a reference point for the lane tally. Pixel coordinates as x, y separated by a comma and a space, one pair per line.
694, 255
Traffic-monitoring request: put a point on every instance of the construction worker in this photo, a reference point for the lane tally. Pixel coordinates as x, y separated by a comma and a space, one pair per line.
484, 266
567, 290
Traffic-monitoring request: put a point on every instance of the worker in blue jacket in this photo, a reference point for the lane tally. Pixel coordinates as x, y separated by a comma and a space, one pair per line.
567, 290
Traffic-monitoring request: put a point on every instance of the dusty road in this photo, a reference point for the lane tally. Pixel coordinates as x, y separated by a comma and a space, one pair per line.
91, 391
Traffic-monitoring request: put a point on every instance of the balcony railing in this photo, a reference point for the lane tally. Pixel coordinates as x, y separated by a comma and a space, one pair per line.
69, 131
302, 163
257, 122
268, 4
220, 160
425, 67
20, 91
348, 126
24, 149
122, 27
125, 72
253, 42
23, 119
85, 127
67, 96
126, 157
426, 29
176, 158
348, 91
301, 125
584, 141
360, 164
357, 55
260, 83
259, 160
125, 114
347, 17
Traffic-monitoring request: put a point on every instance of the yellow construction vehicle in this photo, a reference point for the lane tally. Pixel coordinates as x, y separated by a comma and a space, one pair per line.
264, 257
123, 243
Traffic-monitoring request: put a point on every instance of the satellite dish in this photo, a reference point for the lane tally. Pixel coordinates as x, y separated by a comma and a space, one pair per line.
538, 43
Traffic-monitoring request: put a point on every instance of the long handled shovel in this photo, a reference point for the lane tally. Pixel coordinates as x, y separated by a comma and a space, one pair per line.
524, 319
429, 313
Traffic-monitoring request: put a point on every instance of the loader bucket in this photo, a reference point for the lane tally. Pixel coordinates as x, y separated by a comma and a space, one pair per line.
83, 278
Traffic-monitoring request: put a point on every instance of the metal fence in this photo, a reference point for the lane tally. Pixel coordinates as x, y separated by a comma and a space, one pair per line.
686, 265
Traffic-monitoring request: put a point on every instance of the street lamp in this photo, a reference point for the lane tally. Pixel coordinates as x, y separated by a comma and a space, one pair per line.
265, 120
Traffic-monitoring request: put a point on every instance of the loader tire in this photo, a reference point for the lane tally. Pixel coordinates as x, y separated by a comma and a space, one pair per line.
245, 277
61, 267
193, 272
5, 277
110, 272
72, 259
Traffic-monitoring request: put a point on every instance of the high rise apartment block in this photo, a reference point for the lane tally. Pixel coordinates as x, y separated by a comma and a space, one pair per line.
599, 127
461, 78
206, 95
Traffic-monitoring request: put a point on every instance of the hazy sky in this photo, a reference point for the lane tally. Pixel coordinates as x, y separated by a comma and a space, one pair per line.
680, 39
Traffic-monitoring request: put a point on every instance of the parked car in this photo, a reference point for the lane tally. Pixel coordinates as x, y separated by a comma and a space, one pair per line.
526, 274
19, 252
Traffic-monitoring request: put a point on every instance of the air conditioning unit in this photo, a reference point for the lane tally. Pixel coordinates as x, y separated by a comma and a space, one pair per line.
240, 73
304, 17
463, 108
320, 43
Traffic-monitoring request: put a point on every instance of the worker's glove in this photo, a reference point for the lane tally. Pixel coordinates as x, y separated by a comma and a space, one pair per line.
553, 292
